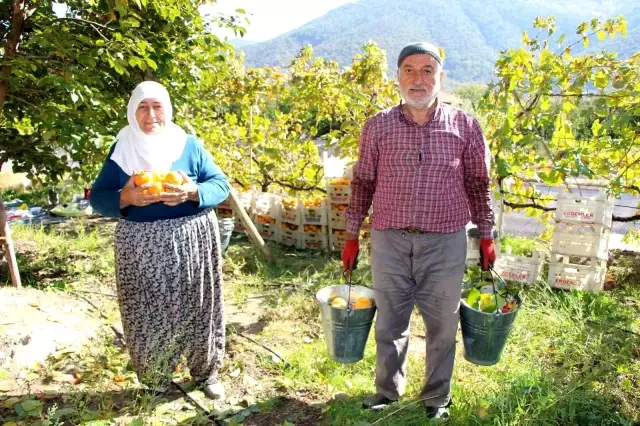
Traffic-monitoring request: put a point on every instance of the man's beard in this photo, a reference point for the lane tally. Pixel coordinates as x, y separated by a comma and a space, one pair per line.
423, 103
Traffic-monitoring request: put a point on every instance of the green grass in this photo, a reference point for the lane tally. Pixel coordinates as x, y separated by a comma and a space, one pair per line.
571, 359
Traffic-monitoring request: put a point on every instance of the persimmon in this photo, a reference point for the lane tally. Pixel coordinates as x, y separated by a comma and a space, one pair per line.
155, 189
173, 178
142, 178
159, 176
362, 303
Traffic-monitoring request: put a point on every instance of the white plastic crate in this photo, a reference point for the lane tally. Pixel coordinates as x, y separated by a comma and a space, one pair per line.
239, 227
315, 215
337, 219
290, 235
222, 212
596, 209
337, 239
580, 273
269, 232
266, 204
520, 269
314, 240
581, 240
245, 199
290, 213
473, 251
339, 190
268, 228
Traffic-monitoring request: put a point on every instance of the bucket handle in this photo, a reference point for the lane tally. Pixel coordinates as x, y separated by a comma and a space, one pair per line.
347, 279
493, 272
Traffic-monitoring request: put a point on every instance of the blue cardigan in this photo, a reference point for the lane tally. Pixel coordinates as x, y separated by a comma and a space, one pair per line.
196, 162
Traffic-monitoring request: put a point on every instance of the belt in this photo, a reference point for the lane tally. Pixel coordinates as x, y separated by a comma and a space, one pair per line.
414, 231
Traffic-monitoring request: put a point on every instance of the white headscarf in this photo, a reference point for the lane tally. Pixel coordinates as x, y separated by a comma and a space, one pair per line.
135, 150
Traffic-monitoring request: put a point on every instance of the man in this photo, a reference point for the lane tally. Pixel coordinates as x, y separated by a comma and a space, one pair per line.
424, 165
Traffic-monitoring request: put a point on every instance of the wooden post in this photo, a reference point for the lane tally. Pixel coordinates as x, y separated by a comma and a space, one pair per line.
7, 243
252, 232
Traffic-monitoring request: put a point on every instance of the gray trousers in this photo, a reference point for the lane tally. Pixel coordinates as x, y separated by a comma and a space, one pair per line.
422, 269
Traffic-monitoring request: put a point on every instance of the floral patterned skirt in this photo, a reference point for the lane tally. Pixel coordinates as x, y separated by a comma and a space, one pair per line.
169, 278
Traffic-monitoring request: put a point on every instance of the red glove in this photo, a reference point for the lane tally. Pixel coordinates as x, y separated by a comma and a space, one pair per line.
487, 254
350, 254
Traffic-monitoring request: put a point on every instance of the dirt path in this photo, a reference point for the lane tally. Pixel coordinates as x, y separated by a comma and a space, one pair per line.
36, 324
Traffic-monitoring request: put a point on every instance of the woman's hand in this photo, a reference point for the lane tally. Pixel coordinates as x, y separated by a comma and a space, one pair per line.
178, 194
132, 195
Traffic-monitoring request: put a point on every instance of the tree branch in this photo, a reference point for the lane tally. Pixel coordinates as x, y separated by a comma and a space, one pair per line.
528, 206
580, 95
85, 22
550, 209
23, 101
13, 40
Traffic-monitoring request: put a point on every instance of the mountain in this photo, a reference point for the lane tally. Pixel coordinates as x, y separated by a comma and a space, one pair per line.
240, 43
472, 32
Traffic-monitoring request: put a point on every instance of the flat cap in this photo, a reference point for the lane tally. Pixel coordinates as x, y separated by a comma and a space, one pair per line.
419, 48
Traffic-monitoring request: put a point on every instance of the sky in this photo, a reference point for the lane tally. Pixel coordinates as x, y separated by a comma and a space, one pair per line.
270, 18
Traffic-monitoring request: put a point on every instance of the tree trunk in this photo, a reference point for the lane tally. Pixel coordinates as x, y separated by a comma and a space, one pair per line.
15, 33
7, 243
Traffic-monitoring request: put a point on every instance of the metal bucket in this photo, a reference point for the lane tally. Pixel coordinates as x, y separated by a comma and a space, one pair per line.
225, 225
485, 334
345, 330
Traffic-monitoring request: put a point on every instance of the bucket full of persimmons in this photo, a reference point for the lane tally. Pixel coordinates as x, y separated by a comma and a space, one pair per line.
347, 314
157, 180
488, 310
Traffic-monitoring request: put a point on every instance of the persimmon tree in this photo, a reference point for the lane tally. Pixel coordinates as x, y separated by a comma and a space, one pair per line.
65, 80
270, 125
554, 116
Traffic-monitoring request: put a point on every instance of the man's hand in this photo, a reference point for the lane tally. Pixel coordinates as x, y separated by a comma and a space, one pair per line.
178, 194
132, 195
487, 254
350, 253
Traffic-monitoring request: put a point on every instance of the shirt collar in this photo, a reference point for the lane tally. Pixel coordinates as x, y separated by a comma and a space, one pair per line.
436, 114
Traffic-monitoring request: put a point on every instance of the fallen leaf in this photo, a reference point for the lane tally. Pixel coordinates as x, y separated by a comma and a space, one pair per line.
30, 377
249, 381
118, 378
34, 304
235, 373
7, 385
58, 377
307, 339
11, 402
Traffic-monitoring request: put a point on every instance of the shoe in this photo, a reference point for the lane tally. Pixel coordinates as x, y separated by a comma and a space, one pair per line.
376, 402
438, 412
214, 391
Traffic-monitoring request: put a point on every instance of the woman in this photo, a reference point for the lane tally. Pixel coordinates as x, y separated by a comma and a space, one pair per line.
167, 245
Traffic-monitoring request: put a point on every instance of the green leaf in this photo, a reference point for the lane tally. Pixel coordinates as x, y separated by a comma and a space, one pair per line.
473, 297
601, 79
3, 374
30, 407
63, 412
596, 128
568, 106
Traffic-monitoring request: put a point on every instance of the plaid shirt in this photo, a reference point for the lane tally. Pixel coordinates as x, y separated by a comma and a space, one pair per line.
434, 177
